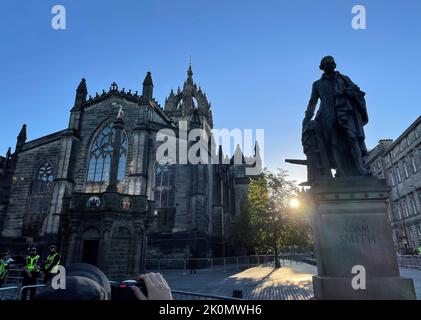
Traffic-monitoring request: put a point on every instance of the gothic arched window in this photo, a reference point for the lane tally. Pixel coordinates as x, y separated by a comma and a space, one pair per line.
45, 172
39, 199
100, 157
43, 178
164, 186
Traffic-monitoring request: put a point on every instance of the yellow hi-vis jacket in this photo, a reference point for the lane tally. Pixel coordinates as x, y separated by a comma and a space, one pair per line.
32, 263
4, 268
50, 261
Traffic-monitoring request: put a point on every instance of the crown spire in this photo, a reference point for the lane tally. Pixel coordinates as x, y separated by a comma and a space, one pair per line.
190, 73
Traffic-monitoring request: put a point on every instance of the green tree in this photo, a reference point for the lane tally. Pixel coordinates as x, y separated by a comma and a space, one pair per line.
294, 230
245, 227
269, 224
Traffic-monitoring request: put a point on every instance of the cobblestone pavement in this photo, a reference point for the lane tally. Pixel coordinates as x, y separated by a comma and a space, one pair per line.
415, 274
292, 282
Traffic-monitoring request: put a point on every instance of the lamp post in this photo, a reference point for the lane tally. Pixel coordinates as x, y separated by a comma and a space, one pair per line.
273, 220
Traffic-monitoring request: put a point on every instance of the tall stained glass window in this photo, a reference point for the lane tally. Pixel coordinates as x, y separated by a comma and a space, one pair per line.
100, 157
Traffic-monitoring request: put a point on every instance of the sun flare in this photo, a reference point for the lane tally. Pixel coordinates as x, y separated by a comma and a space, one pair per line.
294, 203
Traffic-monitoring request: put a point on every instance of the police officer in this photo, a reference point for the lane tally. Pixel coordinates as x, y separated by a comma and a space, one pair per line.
4, 266
30, 273
51, 264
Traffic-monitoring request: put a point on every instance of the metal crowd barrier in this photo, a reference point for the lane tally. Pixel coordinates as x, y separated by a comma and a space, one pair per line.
14, 277
225, 263
9, 293
35, 286
15, 293
13, 289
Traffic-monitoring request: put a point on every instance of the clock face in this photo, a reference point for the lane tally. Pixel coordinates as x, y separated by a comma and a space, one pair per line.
125, 203
93, 203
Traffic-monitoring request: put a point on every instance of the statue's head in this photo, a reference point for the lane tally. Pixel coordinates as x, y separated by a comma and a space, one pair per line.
328, 64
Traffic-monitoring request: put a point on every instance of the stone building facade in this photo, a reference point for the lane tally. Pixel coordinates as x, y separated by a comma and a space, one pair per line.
98, 190
399, 162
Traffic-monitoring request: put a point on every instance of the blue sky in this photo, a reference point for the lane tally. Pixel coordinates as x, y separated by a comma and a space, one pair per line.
256, 59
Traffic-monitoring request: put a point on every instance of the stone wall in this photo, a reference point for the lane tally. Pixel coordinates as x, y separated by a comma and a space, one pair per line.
28, 163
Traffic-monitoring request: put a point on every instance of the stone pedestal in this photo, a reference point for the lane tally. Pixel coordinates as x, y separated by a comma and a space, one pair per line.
351, 228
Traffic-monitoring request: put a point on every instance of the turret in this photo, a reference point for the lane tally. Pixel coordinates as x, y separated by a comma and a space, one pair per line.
238, 157
7, 158
21, 139
147, 92
81, 94
76, 112
170, 102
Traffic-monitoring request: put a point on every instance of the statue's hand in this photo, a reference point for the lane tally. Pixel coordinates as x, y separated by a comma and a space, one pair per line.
307, 117
306, 124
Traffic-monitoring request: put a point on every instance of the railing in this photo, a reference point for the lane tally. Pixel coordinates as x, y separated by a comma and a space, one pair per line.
35, 287
14, 277
408, 261
9, 293
13, 285
243, 262
225, 263
15, 292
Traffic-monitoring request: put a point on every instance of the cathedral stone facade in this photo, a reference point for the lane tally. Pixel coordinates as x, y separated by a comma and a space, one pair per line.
97, 189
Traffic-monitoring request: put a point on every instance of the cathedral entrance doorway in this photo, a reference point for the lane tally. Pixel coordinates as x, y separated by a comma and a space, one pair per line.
90, 251
90, 246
